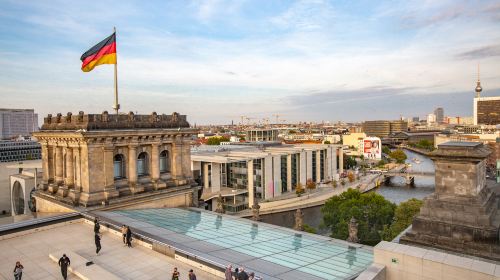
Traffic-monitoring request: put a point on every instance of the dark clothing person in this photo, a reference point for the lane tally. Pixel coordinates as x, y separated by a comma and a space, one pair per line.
18, 271
235, 273
97, 226
192, 276
64, 262
242, 275
129, 237
175, 274
97, 239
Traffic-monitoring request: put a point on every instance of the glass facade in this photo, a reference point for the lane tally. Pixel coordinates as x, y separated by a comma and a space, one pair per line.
322, 164
310, 256
295, 169
284, 179
314, 175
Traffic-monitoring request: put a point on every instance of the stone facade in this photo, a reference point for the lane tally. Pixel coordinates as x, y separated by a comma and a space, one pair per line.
461, 215
91, 159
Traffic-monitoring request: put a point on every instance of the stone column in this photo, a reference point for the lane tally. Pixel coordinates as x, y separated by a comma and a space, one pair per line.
251, 195
74, 193
216, 177
110, 190
45, 166
177, 174
70, 177
155, 163
132, 165
59, 166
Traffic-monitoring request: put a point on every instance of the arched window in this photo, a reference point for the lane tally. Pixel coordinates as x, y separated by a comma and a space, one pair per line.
18, 198
142, 164
164, 166
119, 166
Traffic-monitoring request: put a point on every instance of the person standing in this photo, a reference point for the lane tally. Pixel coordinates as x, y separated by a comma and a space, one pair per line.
97, 226
175, 274
18, 271
124, 234
192, 276
129, 237
97, 239
229, 272
64, 262
242, 275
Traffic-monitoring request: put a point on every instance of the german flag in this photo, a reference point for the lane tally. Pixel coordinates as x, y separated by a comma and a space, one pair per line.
102, 53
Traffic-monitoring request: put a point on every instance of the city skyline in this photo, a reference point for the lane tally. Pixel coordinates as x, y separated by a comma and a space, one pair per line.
217, 60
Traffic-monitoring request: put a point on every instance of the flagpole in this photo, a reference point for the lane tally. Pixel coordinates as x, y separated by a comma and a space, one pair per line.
116, 106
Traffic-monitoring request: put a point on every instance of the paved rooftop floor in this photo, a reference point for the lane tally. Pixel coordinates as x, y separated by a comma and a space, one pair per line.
138, 263
272, 252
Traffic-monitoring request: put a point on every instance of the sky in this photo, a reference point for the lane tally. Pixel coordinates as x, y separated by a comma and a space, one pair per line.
216, 60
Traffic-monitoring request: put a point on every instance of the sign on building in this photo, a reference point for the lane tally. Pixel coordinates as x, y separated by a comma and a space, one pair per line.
372, 148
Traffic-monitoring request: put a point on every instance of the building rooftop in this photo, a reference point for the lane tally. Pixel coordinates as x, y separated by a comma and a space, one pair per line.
271, 252
105, 120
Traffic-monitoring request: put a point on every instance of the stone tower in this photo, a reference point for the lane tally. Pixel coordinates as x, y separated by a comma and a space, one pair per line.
91, 159
461, 215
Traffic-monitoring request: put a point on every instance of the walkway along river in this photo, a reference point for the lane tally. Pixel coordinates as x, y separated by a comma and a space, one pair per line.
397, 191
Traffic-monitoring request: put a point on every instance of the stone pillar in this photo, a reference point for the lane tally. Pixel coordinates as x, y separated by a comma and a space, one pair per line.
45, 166
59, 166
318, 165
155, 163
74, 193
110, 190
303, 168
132, 168
177, 172
70, 179
251, 195
288, 173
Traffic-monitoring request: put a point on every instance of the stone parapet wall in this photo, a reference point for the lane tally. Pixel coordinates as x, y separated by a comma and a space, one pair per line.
112, 121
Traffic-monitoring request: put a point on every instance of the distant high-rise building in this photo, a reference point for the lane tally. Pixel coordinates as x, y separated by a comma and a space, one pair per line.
431, 118
384, 128
415, 119
17, 122
439, 112
486, 109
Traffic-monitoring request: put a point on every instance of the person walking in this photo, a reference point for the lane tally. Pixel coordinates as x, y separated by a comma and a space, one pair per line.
192, 276
229, 272
97, 239
18, 271
124, 234
175, 274
97, 226
64, 262
235, 274
129, 237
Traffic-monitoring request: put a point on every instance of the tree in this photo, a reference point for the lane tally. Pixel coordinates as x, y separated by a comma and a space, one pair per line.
310, 229
334, 183
310, 184
299, 189
425, 144
342, 181
371, 210
381, 163
399, 155
217, 140
350, 177
386, 150
403, 217
349, 162
326, 142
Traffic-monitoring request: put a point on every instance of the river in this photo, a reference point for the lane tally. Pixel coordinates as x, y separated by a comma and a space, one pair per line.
397, 191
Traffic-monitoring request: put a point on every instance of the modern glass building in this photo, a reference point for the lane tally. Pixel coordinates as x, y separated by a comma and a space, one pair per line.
242, 176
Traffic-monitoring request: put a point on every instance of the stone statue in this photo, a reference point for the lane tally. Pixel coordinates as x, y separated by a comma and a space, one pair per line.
220, 207
256, 211
299, 220
353, 231
105, 116
68, 117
